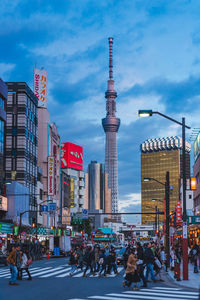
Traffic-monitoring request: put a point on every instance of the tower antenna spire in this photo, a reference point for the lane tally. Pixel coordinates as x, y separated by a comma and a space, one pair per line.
110, 39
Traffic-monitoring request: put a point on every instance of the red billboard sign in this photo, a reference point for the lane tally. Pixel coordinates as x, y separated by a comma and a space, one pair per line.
71, 156
178, 212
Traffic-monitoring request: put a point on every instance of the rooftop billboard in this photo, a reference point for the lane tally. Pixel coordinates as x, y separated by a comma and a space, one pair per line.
71, 156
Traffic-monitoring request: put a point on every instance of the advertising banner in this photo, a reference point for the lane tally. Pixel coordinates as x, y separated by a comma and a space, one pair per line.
40, 87
72, 204
178, 212
50, 173
71, 156
3, 203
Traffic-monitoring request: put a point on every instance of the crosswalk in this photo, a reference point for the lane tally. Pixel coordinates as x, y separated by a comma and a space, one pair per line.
156, 293
47, 272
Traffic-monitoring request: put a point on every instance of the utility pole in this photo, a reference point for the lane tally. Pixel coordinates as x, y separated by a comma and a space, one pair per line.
167, 208
185, 238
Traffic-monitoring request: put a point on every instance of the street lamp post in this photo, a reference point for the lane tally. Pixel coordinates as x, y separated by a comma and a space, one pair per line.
149, 113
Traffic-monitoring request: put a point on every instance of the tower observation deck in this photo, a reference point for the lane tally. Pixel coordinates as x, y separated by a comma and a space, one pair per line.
111, 125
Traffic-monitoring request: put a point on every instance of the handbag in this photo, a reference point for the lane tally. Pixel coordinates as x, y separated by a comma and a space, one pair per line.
29, 262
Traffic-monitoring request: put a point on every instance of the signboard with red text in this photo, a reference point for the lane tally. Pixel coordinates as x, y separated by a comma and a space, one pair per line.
178, 212
50, 173
40, 87
71, 156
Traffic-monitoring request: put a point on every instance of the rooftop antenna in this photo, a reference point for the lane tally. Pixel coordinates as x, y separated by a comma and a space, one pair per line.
110, 58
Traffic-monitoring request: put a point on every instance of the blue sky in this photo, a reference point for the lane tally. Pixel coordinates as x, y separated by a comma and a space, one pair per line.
156, 66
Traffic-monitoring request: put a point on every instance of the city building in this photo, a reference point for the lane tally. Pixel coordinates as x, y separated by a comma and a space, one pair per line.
111, 125
158, 156
22, 140
3, 101
73, 181
196, 173
97, 194
49, 163
40, 196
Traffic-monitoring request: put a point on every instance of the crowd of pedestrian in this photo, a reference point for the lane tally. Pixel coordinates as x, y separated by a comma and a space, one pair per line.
99, 261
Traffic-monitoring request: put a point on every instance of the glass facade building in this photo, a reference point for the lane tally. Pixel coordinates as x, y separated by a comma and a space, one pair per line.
157, 157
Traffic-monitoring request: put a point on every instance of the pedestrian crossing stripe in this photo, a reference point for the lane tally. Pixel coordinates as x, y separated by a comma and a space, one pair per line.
58, 272
167, 294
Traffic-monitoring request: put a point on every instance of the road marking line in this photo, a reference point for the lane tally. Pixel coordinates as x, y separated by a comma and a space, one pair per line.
135, 295
106, 298
168, 291
43, 272
163, 288
63, 275
53, 273
158, 294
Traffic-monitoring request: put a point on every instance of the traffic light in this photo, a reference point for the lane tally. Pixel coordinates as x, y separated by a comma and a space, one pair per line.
51, 227
33, 225
33, 222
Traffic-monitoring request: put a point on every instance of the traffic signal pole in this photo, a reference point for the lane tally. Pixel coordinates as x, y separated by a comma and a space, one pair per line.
185, 238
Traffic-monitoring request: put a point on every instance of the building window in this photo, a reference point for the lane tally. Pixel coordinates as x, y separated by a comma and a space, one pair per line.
2, 104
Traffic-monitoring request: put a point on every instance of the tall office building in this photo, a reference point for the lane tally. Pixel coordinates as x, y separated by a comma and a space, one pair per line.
157, 157
22, 139
111, 125
3, 100
97, 194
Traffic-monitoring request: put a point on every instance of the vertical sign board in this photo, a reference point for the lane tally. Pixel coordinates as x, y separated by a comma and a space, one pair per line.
55, 167
40, 87
84, 214
50, 173
184, 230
178, 212
66, 191
72, 204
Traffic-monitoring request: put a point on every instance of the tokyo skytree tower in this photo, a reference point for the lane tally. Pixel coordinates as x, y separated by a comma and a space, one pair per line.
111, 125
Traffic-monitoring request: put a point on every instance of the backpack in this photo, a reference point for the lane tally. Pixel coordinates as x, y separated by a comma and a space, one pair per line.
101, 261
29, 262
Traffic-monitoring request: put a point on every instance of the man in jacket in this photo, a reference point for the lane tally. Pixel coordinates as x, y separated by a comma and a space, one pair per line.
89, 258
140, 257
14, 259
149, 260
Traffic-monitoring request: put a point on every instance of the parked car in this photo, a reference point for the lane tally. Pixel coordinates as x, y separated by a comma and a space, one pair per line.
3, 258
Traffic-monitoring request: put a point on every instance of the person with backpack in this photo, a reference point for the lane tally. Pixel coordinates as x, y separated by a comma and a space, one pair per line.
26, 262
140, 263
149, 260
89, 259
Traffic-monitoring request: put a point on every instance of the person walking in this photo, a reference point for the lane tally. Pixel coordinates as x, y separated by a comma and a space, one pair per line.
89, 258
140, 263
131, 271
195, 254
26, 262
73, 261
149, 260
13, 260
102, 262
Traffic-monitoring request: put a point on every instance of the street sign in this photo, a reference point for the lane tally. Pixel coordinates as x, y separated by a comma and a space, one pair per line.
184, 230
44, 208
84, 214
194, 220
52, 206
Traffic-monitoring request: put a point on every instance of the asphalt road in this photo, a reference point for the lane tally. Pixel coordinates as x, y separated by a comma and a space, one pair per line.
51, 281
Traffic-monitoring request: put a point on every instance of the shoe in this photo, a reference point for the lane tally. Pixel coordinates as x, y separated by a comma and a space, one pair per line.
161, 280
84, 275
148, 281
154, 281
15, 283
144, 285
124, 283
29, 278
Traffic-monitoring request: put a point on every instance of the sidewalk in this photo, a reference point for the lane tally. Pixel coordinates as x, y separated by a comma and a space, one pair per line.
193, 278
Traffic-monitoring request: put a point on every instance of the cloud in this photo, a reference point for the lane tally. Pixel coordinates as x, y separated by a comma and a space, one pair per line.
5, 69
